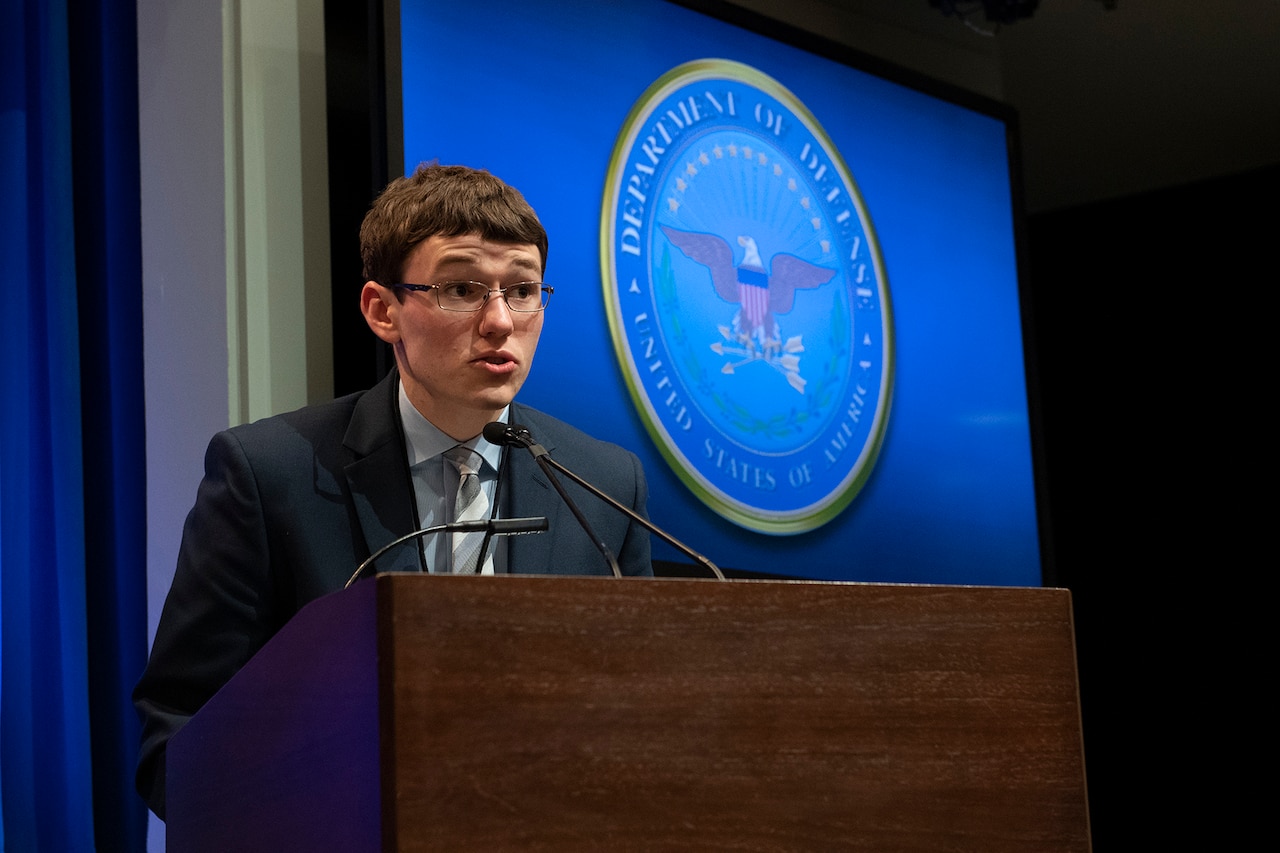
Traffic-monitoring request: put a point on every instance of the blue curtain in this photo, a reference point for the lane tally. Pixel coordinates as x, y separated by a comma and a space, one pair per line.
72, 483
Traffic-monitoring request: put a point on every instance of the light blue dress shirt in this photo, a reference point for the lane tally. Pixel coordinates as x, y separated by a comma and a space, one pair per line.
435, 483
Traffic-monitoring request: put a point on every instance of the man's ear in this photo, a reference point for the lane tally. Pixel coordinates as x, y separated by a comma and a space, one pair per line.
381, 311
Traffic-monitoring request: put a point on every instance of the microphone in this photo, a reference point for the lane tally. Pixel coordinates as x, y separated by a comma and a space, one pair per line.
515, 435
512, 435
491, 526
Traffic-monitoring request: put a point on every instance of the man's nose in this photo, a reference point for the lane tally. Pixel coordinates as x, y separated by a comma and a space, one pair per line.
495, 314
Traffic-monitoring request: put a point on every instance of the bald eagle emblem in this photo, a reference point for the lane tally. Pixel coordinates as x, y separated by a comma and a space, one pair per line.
753, 336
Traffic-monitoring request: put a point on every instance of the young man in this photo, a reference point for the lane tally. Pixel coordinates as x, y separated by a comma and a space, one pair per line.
290, 505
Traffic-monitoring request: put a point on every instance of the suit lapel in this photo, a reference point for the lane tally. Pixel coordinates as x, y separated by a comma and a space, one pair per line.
378, 476
531, 494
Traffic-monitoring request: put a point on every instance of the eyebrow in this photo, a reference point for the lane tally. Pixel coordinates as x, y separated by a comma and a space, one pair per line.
468, 258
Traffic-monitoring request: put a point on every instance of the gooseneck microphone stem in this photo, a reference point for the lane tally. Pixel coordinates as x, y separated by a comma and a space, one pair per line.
641, 520
514, 435
547, 464
491, 526
517, 435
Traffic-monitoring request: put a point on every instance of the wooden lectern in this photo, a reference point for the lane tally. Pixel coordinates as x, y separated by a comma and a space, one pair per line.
416, 712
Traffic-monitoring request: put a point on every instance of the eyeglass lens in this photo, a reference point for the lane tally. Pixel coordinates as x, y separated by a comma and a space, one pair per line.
471, 295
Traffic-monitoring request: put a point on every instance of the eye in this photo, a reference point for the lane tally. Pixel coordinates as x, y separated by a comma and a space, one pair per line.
522, 291
459, 289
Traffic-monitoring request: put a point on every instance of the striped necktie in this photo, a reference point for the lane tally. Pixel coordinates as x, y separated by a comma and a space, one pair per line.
471, 505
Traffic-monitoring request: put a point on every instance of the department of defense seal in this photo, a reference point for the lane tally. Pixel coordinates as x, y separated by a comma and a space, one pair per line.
746, 297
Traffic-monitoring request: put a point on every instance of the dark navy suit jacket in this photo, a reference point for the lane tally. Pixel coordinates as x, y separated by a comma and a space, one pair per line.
290, 505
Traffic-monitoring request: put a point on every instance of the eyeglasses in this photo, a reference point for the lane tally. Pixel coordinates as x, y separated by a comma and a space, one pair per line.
525, 296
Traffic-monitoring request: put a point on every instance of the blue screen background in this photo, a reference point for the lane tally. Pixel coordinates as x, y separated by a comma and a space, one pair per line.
537, 94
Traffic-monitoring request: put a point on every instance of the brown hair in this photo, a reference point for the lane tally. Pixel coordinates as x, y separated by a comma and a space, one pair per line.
448, 201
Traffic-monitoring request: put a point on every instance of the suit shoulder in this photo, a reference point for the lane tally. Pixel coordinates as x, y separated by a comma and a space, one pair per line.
318, 422
548, 430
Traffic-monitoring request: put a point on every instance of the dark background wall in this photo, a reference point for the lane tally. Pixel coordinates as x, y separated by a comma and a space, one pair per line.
1137, 300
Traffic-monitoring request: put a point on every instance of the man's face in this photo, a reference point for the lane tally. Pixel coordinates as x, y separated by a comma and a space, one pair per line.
460, 369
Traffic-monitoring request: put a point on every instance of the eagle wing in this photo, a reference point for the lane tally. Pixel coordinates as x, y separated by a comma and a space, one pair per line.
712, 252
788, 274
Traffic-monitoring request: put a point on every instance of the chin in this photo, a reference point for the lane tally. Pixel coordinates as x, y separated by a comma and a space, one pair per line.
493, 402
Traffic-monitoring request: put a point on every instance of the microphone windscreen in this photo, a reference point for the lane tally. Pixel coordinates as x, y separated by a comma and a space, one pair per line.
499, 434
508, 435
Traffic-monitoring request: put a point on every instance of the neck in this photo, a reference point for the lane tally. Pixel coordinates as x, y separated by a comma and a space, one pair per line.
462, 428
458, 424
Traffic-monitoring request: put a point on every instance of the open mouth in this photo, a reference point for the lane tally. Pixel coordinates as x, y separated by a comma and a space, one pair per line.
497, 363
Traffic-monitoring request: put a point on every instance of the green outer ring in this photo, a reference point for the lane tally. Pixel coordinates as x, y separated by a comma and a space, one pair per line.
794, 521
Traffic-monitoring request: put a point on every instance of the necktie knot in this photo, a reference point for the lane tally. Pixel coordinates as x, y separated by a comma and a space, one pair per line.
466, 460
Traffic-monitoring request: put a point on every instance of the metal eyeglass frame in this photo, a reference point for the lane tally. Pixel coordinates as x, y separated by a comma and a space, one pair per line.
488, 292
